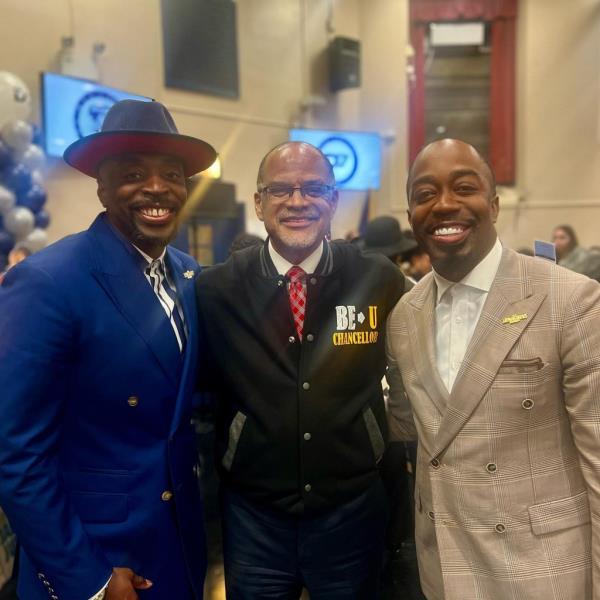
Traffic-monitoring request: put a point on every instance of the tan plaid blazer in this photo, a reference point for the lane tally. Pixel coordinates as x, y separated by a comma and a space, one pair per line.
508, 474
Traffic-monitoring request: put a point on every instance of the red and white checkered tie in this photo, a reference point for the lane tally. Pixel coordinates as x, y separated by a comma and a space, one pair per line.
297, 293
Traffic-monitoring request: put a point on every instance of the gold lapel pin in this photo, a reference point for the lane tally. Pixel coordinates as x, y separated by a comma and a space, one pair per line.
188, 274
512, 319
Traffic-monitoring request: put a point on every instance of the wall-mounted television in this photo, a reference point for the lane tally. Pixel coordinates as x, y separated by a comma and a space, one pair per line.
355, 156
73, 108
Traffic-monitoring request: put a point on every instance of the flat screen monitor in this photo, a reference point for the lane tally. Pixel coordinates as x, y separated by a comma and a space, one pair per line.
73, 108
355, 156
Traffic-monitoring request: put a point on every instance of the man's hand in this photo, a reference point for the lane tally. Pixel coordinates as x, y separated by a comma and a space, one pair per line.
123, 583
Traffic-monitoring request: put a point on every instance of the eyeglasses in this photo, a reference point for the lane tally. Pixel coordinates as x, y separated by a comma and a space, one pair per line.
311, 191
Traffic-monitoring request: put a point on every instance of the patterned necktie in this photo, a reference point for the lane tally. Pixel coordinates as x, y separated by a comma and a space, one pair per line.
168, 299
297, 294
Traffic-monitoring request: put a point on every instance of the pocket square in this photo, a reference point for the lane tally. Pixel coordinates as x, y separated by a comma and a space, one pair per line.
527, 365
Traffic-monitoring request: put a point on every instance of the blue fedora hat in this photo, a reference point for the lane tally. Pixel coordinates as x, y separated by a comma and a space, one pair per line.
133, 126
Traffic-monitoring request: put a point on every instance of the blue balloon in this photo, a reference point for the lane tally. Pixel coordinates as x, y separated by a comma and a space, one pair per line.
42, 219
37, 135
6, 158
17, 178
33, 198
7, 241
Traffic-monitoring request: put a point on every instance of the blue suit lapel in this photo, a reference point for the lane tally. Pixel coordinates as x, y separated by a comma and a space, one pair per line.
187, 296
119, 273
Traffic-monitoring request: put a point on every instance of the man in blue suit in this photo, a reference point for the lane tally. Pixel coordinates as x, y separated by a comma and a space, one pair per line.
97, 367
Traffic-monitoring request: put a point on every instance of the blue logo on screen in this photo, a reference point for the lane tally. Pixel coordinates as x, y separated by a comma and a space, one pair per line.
342, 156
90, 112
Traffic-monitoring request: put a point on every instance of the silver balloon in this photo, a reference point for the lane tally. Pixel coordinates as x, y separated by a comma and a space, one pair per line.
35, 241
15, 99
33, 157
19, 221
37, 177
7, 200
17, 135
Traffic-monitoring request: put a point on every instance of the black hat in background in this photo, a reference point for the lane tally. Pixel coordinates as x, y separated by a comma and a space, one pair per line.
384, 236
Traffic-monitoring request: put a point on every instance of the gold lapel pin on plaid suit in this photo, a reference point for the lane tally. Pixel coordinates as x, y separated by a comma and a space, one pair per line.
188, 274
512, 319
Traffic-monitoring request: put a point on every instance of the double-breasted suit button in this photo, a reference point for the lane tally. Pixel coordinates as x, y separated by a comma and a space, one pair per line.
313, 280
280, 282
306, 385
166, 495
310, 337
291, 339
500, 528
491, 467
435, 463
41, 576
431, 515
307, 487
307, 436
527, 404
133, 401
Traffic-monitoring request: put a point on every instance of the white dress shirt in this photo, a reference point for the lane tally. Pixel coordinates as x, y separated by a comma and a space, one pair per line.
457, 311
308, 265
165, 300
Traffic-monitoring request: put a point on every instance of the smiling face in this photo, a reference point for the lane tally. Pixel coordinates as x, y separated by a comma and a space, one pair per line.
296, 225
143, 195
452, 206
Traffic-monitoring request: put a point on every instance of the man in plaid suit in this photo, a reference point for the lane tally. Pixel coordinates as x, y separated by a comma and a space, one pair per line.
500, 360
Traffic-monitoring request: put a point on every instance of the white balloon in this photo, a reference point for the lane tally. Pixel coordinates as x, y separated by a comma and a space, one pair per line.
37, 177
33, 157
17, 135
19, 221
7, 200
34, 241
15, 99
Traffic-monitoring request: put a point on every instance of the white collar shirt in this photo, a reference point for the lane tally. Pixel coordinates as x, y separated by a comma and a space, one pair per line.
457, 311
308, 265
154, 275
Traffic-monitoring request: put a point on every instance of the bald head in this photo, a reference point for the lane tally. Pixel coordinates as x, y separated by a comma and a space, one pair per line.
289, 152
450, 145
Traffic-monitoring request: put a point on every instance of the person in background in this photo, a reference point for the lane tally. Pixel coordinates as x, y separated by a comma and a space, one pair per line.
572, 256
384, 236
292, 332
419, 263
244, 240
499, 356
98, 360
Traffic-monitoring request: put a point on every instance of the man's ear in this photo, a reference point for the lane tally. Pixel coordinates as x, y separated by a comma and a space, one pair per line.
409, 219
495, 208
258, 205
101, 190
334, 201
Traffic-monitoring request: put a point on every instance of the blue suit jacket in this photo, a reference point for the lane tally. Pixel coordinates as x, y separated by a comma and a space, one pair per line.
95, 407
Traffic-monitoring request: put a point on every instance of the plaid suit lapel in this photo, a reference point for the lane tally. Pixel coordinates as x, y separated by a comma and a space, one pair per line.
492, 341
422, 327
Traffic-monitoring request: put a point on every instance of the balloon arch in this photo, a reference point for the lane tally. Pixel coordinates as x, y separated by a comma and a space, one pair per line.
23, 218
